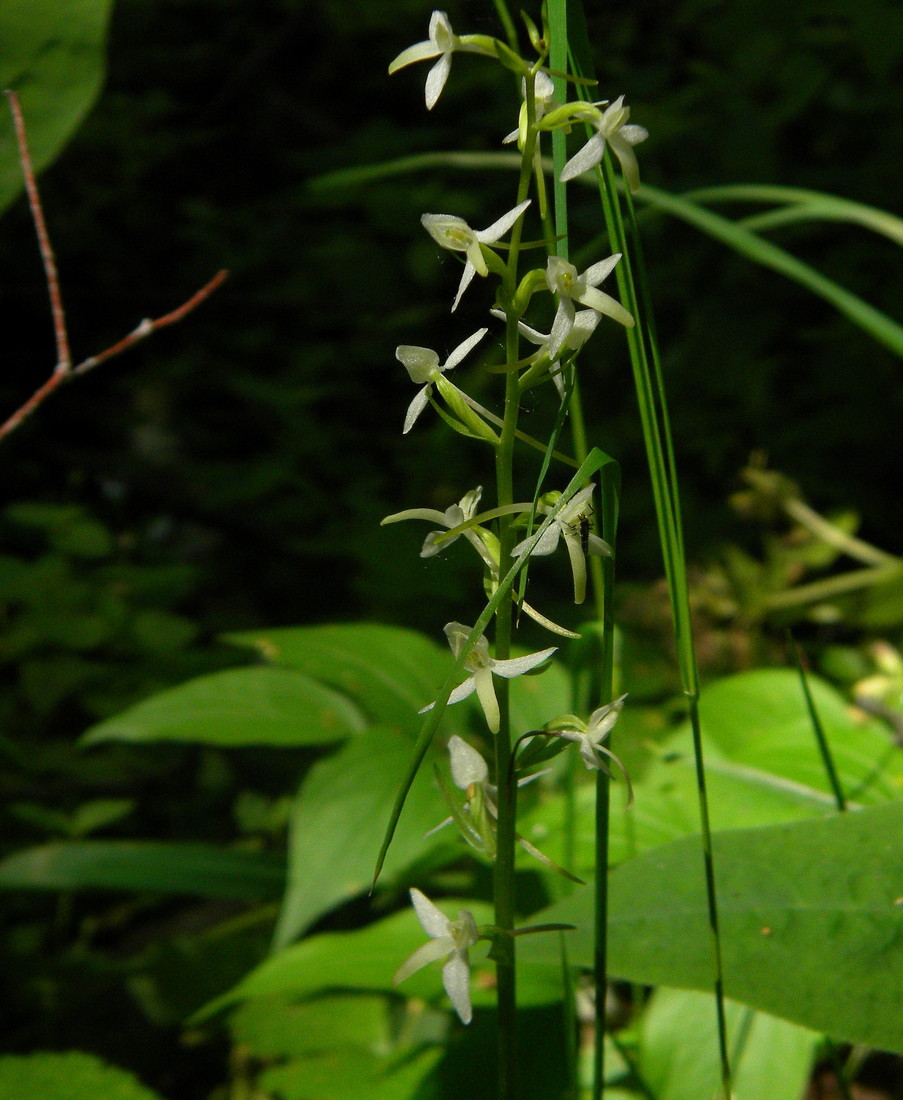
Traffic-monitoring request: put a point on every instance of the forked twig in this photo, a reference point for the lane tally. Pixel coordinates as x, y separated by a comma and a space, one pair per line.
64, 370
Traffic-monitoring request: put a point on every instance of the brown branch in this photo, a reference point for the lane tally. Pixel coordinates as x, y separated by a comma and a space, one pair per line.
148, 327
64, 369
63, 354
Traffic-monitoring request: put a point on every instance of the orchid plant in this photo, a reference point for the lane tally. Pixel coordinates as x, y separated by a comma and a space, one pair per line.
521, 295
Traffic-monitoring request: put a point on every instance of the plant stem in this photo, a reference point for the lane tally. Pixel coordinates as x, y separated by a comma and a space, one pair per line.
504, 884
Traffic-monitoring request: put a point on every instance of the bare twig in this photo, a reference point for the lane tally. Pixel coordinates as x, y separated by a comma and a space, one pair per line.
63, 354
64, 369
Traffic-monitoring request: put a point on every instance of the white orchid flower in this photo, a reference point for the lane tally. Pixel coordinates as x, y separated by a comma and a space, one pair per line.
544, 101
453, 516
448, 937
483, 668
585, 321
455, 234
611, 129
562, 279
572, 522
442, 43
590, 735
422, 364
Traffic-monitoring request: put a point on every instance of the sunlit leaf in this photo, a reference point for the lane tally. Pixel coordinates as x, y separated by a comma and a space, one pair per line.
73, 1075
337, 822
811, 917
769, 1057
240, 706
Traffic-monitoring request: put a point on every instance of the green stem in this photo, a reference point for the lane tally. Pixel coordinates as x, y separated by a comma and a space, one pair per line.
504, 884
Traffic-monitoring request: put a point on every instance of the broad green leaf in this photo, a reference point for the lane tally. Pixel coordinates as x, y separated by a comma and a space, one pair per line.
762, 768
364, 959
240, 706
811, 917
666, 807
678, 1054
279, 1027
390, 672
356, 1072
337, 822
760, 720
52, 54
197, 869
74, 1075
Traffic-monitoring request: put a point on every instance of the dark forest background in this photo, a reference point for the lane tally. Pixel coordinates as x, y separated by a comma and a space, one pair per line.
231, 472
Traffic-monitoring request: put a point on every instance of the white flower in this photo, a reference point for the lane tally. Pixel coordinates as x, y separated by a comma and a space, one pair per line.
572, 522
448, 937
610, 129
483, 668
562, 279
454, 516
422, 364
589, 736
454, 233
441, 43
544, 100
585, 321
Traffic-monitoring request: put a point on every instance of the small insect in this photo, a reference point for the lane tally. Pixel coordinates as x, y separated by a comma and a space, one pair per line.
584, 533
582, 524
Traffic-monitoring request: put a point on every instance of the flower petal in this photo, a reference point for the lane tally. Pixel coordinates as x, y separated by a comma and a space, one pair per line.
466, 279
435, 80
416, 407
505, 222
420, 51
631, 169
425, 954
448, 231
467, 766
432, 920
584, 159
418, 362
456, 979
561, 326
604, 303
517, 666
601, 270
463, 348
486, 693
547, 544
572, 541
